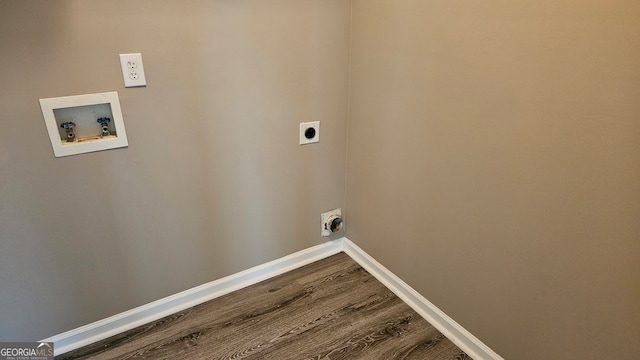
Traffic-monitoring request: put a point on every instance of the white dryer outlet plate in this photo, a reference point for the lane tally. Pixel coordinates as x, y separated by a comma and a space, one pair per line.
309, 132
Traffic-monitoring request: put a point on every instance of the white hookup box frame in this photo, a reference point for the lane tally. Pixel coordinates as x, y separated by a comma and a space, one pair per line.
83, 111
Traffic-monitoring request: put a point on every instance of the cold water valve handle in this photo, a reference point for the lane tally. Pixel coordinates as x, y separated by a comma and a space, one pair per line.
68, 126
104, 125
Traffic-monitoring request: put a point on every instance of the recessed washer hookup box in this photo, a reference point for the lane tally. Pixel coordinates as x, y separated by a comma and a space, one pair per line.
84, 123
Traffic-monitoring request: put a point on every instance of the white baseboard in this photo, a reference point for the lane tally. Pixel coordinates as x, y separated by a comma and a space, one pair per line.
133, 318
153, 311
441, 321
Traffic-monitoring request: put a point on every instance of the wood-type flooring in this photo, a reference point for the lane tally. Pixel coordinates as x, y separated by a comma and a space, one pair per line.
331, 309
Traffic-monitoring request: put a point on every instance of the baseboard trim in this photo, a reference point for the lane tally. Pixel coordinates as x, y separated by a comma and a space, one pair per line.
133, 318
441, 321
153, 311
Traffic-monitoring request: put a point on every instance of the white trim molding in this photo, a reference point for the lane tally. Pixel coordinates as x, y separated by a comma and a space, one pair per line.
113, 325
156, 310
441, 321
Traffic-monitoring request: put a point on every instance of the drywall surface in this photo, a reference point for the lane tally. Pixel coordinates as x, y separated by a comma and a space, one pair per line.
213, 181
494, 165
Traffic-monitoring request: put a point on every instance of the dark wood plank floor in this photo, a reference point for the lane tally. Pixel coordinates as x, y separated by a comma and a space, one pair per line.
329, 310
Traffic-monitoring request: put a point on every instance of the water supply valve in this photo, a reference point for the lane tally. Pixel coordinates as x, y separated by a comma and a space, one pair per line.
104, 126
68, 126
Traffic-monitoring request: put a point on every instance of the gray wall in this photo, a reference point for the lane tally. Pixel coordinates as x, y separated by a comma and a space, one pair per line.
493, 158
494, 165
213, 181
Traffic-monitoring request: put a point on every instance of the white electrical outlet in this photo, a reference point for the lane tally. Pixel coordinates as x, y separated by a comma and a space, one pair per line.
309, 132
331, 222
132, 70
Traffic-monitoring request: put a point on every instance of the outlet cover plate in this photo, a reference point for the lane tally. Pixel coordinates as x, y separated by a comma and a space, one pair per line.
132, 70
312, 126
